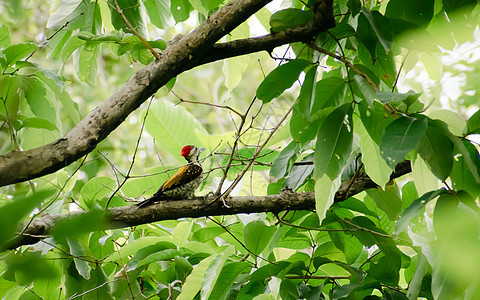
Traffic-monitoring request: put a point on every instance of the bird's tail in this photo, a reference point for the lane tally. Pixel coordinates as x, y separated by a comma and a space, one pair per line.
149, 201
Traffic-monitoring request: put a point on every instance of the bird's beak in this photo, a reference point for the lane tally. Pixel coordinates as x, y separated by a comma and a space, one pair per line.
200, 150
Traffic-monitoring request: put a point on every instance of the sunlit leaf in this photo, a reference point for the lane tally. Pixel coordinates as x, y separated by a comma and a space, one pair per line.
257, 235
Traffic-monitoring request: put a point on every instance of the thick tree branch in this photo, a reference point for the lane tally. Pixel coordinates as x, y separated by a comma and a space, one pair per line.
120, 217
186, 53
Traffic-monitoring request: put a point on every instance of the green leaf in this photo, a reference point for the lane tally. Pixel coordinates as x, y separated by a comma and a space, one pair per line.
288, 18
12, 213
356, 205
437, 150
131, 10
473, 123
17, 52
138, 245
400, 137
375, 167
172, 127
257, 235
181, 232
147, 251
387, 200
325, 189
97, 286
66, 7
413, 11
36, 96
284, 160
354, 6
72, 44
306, 97
79, 224
5, 40
386, 270
299, 174
180, 10
329, 92
37, 123
213, 271
88, 62
461, 175
228, 276
280, 79
334, 142
375, 119
381, 26
365, 88
414, 209
157, 11
288, 289
96, 189
78, 253
10, 93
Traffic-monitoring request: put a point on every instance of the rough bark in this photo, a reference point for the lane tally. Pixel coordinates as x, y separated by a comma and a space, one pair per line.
185, 53
120, 217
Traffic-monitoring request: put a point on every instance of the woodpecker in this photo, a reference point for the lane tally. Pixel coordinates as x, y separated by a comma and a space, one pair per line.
184, 182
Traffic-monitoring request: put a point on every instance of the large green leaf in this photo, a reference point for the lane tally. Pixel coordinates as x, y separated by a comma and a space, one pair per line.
280, 79
5, 40
334, 142
228, 276
325, 189
88, 62
284, 160
257, 235
306, 97
461, 175
289, 18
78, 252
473, 123
131, 10
414, 209
329, 92
17, 52
172, 127
180, 10
57, 18
387, 200
413, 11
400, 137
375, 167
157, 11
437, 150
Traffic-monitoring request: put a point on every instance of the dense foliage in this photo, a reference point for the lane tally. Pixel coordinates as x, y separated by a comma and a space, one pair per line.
361, 97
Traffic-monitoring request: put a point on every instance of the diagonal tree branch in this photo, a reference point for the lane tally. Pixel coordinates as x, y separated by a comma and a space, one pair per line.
185, 53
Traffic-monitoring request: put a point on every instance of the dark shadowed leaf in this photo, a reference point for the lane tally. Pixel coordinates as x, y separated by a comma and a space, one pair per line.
280, 79
334, 142
400, 137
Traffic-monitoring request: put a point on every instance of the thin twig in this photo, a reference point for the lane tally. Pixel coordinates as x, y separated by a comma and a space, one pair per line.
239, 241
127, 176
135, 32
206, 103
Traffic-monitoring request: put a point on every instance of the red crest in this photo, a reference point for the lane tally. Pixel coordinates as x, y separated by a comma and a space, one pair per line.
186, 151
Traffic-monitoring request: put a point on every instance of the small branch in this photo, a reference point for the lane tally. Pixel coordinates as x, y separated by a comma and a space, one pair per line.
135, 32
346, 62
208, 104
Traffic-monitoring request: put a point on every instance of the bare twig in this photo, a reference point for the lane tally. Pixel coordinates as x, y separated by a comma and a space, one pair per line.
135, 32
